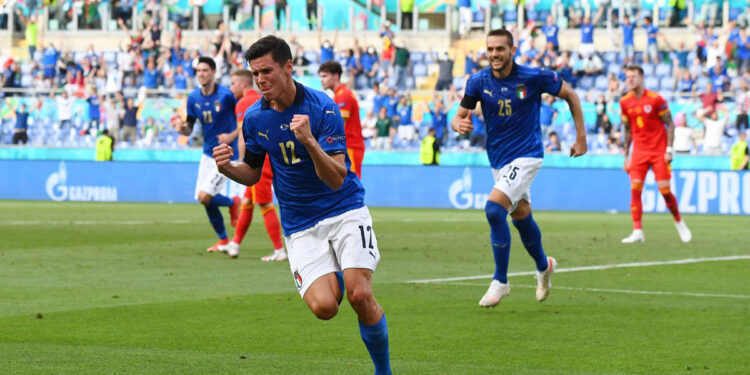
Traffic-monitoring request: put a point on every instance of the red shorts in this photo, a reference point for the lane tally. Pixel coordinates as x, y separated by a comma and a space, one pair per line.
355, 156
640, 163
262, 192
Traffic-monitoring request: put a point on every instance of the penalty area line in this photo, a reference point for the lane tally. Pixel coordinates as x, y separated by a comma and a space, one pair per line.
623, 291
589, 268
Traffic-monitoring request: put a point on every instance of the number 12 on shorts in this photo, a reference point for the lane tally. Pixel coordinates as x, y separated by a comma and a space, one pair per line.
362, 230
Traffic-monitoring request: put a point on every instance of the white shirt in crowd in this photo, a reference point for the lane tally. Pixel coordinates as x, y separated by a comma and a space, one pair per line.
714, 132
64, 107
683, 139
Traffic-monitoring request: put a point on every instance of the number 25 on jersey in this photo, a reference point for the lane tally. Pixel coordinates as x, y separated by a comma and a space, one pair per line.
505, 108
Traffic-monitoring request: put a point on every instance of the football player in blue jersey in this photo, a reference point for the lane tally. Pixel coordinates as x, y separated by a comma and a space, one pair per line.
327, 227
212, 105
511, 97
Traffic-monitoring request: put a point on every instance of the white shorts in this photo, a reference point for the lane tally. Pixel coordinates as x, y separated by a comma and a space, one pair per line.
209, 180
514, 179
407, 132
334, 244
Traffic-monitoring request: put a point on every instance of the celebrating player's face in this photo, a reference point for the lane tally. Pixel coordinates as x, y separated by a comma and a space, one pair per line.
499, 51
270, 76
204, 73
633, 79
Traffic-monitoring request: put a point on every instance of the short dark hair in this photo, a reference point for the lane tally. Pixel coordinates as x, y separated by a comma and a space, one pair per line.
501, 32
278, 48
647, 18
331, 66
635, 68
208, 61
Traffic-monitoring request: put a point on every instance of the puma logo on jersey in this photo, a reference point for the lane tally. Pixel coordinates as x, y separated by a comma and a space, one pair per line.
264, 135
331, 112
489, 92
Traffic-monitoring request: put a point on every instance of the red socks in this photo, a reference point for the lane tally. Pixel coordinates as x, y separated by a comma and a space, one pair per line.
272, 226
671, 201
636, 207
243, 223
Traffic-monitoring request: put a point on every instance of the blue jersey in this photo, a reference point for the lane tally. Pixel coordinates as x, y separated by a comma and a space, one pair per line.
587, 33
304, 199
627, 34
216, 114
180, 81
94, 113
652, 30
404, 113
551, 33
49, 57
22, 120
511, 110
151, 78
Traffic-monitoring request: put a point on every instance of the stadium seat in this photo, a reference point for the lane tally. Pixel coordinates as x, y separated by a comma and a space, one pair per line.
601, 83
420, 70
701, 82
416, 57
663, 70
459, 82
652, 83
648, 70
609, 57
615, 69
586, 82
510, 16
667, 83
312, 56
735, 12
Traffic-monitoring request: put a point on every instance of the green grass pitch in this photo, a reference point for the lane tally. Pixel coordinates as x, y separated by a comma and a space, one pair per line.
129, 289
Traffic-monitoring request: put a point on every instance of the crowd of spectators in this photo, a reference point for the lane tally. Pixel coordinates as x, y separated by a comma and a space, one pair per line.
706, 83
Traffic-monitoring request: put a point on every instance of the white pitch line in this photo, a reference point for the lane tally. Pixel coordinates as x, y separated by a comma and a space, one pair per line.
95, 222
590, 268
624, 291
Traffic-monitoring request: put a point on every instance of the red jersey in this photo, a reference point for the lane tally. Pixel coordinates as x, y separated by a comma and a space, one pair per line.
648, 130
349, 108
249, 98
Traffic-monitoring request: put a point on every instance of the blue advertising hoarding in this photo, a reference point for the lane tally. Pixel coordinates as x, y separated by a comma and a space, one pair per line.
571, 189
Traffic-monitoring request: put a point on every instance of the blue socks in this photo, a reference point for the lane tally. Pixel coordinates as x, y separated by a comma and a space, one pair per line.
214, 215
221, 200
532, 240
376, 341
500, 236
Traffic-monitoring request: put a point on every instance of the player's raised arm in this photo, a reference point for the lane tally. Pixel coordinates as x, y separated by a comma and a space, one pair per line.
569, 95
331, 169
247, 173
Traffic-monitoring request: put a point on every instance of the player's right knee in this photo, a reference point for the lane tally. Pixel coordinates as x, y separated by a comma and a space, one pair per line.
495, 212
324, 310
636, 185
246, 202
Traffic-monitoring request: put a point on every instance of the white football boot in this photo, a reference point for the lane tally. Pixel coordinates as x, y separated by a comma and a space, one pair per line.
636, 236
232, 249
543, 283
683, 231
494, 294
278, 256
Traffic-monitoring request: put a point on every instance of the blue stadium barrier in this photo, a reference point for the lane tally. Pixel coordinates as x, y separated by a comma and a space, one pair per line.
702, 192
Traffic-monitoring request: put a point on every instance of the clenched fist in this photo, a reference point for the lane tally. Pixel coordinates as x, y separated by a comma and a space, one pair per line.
300, 125
465, 126
223, 155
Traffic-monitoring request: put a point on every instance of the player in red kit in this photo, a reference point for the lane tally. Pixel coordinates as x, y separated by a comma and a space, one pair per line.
330, 78
260, 193
645, 115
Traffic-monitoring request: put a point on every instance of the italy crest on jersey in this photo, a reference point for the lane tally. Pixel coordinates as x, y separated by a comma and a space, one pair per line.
217, 106
521, 91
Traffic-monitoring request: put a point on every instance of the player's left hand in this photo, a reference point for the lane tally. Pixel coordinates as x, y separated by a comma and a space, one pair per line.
579, 148
300, 126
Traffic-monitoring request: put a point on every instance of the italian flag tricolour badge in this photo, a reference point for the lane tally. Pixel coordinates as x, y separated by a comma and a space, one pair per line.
521, 91
217, 106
